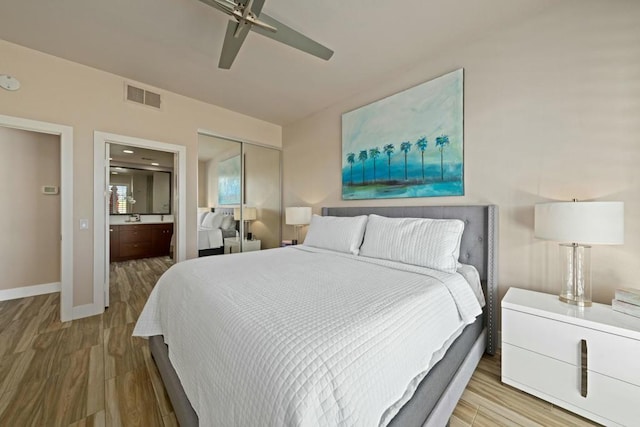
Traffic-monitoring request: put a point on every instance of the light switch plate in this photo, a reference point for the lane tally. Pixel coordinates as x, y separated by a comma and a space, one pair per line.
49, 189
84, 224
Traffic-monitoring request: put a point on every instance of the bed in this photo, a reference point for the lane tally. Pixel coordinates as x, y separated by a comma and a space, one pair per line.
213, 228
429, 399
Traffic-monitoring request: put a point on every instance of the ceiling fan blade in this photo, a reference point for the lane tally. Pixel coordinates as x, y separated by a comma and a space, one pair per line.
232, 43
291, 37
227, 6
256, 7
224, 6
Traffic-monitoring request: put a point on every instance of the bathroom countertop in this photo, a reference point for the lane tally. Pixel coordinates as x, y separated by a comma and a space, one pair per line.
144, 219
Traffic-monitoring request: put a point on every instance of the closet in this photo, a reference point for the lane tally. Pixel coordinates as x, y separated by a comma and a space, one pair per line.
239, 196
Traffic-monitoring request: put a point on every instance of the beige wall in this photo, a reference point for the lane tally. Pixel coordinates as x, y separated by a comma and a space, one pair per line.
161, 191
29, 220
139, 192
203, 184
552, 111
211, 174
60, 91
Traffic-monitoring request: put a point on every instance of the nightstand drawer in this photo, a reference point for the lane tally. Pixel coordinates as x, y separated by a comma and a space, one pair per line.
608, 354
559, 382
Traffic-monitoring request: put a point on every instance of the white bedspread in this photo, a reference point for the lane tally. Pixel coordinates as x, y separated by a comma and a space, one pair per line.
209, 238
304, 337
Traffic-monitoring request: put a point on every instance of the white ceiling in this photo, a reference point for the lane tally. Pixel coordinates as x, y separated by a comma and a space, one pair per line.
175, 44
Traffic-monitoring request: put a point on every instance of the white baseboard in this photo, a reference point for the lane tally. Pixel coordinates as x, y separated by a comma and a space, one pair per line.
86, 310
79, 311
29, 291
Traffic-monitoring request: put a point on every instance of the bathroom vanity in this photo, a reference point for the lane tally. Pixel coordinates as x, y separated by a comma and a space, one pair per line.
137, 240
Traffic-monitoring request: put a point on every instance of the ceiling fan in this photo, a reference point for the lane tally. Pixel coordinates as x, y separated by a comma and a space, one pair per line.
247, 16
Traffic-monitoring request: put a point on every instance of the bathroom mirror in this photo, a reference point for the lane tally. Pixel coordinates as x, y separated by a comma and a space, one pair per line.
139, 191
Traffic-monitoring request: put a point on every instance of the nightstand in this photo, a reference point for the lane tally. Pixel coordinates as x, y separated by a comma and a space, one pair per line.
586, 360
232, 245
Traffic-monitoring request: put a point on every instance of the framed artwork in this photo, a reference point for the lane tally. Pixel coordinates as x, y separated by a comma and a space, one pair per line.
229, 181
406, 145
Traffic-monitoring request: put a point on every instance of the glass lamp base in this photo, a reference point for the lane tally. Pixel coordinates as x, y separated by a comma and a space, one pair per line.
575, 261
573, 301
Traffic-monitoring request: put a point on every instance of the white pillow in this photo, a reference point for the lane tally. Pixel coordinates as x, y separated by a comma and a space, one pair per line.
472, 276
228, 222
201, 216
432, 243
212, 220
341, 234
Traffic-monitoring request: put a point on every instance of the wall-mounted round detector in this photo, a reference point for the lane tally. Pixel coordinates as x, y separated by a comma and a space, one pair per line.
8, 82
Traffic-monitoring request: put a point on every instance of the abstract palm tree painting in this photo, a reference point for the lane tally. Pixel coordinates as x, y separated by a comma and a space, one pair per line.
420, 131
229, 181
374, 153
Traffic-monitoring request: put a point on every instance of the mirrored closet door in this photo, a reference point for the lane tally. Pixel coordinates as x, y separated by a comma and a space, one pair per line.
263, 202
239, 196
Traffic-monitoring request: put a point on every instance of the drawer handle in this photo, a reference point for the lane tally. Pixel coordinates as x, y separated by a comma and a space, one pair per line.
583, 368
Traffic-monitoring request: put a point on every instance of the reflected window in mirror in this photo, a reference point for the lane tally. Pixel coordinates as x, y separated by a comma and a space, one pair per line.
118, 199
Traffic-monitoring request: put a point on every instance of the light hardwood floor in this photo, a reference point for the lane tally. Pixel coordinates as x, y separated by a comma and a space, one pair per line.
89, 372
92, 372
487, 402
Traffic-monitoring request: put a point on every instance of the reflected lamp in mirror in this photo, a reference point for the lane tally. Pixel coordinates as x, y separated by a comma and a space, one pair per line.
577, 226
297, 216
248, 214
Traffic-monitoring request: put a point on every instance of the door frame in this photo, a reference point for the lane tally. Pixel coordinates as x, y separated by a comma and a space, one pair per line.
66, 201
100, 214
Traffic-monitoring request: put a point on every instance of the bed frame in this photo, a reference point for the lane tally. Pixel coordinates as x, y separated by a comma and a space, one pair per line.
479, 247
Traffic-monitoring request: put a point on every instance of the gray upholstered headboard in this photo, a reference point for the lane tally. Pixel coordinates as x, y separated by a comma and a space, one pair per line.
479, 246
225, 211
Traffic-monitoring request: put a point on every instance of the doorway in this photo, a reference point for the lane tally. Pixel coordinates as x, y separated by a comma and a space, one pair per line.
103, 202
65, 133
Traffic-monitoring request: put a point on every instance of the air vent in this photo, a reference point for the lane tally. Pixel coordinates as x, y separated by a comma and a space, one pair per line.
151, 99
135, 94
141, 96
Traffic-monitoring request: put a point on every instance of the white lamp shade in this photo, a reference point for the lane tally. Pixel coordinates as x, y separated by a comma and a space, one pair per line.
297, 216
248, 214
597, 223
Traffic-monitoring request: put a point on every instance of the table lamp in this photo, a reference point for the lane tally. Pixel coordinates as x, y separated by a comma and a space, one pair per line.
248, 214
577, 225
297, 216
